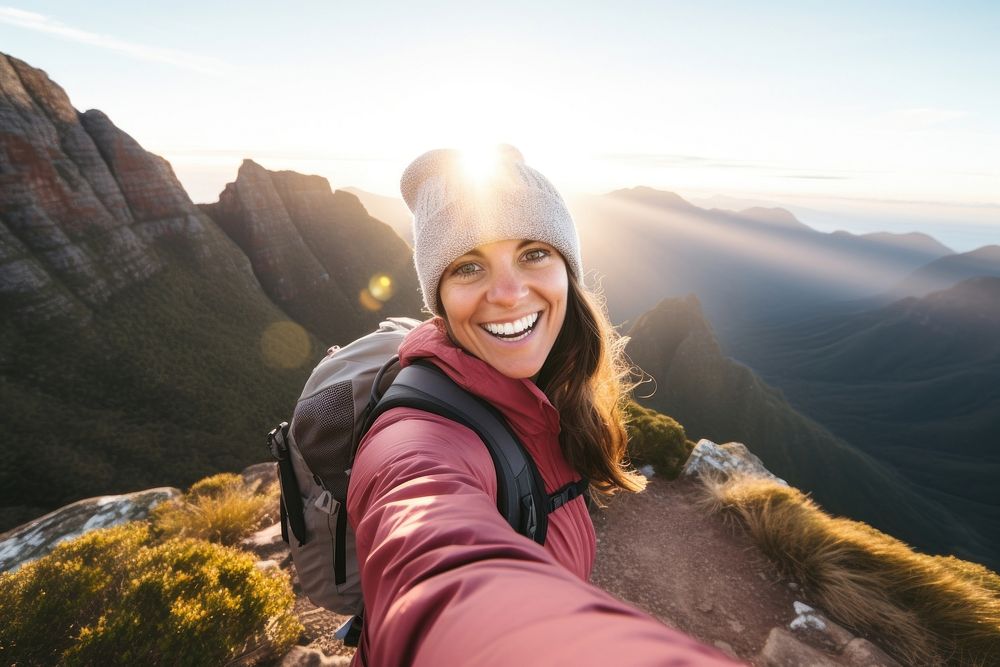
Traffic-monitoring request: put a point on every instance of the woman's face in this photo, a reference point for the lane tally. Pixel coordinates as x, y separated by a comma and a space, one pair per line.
505, 303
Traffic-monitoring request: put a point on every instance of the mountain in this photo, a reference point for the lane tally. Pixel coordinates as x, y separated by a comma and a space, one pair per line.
140, 345
946, 271
915, 384
915, 241
390, 210
722, 400
758, 265
318, 254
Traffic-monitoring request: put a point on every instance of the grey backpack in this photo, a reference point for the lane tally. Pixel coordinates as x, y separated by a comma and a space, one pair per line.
344, 395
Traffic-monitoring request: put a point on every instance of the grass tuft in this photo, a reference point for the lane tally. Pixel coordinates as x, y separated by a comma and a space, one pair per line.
220, 509
925, 610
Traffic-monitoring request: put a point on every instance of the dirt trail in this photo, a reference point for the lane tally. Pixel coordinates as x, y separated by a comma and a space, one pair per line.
664, 554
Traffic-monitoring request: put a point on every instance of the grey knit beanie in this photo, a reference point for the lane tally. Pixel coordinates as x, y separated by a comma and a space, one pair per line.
454, 213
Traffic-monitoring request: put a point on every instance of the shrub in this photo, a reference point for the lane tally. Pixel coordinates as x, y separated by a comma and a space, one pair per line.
216, 485
111, 597
220, 508
925, 610
657, 440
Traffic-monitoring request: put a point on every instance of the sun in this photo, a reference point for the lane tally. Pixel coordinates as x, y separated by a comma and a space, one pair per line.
480, 163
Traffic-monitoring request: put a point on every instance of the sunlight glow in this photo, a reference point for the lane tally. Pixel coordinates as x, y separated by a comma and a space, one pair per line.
480, 163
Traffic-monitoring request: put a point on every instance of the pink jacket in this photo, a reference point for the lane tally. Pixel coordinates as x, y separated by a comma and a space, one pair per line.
445, 578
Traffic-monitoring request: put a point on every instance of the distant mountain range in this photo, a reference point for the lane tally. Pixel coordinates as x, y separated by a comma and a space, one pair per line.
760, 265
916, 384
717, 398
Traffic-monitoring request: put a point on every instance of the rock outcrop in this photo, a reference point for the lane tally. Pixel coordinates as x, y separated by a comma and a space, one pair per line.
83, 206
317, 253
733, 458
39, 537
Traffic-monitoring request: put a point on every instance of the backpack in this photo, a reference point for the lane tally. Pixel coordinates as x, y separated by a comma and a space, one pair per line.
346, 392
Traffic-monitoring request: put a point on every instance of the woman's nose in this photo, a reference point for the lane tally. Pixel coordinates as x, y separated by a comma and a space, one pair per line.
507, 288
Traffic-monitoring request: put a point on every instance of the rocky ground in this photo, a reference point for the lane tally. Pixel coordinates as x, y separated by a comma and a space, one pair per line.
660, 550
663, 552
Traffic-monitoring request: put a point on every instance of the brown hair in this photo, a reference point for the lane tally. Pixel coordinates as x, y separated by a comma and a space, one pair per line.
586, 377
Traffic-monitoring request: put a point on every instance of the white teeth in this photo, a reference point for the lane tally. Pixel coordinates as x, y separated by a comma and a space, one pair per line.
511, 328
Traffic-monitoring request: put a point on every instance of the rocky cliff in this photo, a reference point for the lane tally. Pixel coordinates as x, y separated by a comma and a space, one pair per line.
317, 253
84, 207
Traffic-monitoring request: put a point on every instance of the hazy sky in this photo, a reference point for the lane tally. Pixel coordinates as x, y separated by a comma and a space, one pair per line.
862, 115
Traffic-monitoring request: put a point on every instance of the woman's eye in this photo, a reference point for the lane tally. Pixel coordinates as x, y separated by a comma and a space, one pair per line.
536, 255
465, 269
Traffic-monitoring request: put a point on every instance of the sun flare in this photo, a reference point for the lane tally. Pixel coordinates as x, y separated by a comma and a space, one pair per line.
480, 163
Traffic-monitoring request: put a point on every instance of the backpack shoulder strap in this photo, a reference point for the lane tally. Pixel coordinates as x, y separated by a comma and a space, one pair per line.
521, 495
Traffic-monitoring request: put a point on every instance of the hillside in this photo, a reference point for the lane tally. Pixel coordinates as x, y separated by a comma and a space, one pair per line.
138, 347
947, 271
719, 399
923, 374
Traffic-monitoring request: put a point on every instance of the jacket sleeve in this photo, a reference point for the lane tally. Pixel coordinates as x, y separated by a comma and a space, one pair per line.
448, 582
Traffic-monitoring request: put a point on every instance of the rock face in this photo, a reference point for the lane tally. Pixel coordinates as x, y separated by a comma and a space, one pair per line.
317, 253
82, 204
39, 537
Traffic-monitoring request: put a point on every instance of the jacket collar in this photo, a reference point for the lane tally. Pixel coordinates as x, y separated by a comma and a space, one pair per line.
521, 402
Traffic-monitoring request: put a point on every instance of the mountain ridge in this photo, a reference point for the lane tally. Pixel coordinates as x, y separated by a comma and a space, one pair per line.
723, 400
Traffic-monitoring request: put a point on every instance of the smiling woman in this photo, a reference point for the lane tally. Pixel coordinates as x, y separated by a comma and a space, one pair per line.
505, 302
499, 266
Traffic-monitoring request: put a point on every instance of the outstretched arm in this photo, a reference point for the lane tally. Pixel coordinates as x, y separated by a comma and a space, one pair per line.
448, 582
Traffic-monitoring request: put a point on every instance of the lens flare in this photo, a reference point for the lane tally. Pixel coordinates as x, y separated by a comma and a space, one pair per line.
368, 302
381, 287
285, 345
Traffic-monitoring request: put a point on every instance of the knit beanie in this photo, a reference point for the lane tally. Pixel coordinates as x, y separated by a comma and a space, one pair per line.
454, 212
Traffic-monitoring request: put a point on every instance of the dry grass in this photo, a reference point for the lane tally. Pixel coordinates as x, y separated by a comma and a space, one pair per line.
220, 509
925, 610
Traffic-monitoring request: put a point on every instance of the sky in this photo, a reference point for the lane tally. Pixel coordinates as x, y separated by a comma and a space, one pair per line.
861, 116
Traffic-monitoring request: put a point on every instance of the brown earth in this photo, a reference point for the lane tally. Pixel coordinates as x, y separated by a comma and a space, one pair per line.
662, 552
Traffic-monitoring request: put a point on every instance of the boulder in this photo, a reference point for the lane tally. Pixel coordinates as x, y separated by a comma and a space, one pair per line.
301, 656
732, 458
37, 538
783, 649
816, 629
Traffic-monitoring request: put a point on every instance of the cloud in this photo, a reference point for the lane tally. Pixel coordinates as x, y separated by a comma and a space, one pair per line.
45, 24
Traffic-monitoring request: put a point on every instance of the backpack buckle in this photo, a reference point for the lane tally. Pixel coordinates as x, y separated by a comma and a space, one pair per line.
277, 443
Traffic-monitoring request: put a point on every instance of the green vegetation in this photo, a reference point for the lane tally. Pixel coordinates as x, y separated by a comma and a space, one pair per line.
167, 383
657, 440
926, 610
220, 508
117, 597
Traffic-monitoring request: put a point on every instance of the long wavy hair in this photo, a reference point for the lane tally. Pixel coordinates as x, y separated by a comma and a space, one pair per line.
588, 380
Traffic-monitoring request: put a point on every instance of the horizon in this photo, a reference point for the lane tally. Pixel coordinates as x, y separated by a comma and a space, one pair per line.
856, 118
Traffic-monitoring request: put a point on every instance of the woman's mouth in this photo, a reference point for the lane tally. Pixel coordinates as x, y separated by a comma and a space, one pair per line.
513, 330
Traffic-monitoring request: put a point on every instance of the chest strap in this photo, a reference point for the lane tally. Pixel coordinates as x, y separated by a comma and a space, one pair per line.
568, 493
